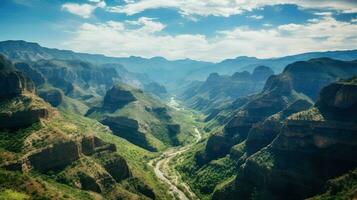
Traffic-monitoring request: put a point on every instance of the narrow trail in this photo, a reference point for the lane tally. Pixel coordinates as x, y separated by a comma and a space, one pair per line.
161, 169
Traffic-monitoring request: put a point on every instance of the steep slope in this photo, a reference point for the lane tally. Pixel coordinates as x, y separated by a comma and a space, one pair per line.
57, 155
300, 80
139, 118
312, 147
69, 84
218, 91
253, 122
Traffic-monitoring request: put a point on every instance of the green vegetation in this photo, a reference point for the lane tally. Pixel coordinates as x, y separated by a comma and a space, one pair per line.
9, 194
340, 188
207, 177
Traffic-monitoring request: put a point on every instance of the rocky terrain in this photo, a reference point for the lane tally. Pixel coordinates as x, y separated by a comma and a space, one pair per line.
312, 147
255, 123
137, 117
45, 155
83, 126
280, 91
220, 90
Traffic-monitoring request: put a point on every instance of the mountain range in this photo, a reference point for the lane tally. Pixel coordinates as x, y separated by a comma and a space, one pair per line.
85, 126
171, 73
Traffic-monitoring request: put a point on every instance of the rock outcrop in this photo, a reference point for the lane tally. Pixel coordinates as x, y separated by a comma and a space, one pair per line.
117, 97
219, 90
54, 158
299, 81
312, 147
140, 118
263, 133
12, 82
30, 72
92, 145
20, 107
127, 128
52, 96
22, 119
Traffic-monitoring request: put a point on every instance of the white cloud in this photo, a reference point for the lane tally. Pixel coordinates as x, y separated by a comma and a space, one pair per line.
313, 20
267, 25
147, 40
227, 7
83, 10
257, 17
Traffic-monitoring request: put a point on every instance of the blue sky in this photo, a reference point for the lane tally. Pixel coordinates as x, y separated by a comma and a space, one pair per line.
209, 30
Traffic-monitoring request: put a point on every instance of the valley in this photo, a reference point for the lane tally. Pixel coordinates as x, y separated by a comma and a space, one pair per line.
164, 170
72, 128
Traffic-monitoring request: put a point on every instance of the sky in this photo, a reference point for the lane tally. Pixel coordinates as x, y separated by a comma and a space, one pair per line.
209, 30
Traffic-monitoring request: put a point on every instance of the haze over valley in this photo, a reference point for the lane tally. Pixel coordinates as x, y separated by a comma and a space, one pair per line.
181, 99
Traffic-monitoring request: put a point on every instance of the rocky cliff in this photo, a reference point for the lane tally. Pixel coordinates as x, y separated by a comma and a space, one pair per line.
19, 107
13, 83
299, 81
117, 97
312, 147
219, 90
136, 116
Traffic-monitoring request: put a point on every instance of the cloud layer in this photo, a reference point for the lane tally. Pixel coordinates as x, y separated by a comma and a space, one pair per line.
147, 39
227, 7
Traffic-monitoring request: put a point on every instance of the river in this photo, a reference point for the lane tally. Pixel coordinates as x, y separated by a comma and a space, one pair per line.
161, 166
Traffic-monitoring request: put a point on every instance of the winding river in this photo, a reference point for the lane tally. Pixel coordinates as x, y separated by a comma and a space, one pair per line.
161, 167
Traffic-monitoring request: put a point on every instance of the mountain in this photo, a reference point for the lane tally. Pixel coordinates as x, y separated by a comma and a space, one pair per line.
157, 68
139, 118
69, 84
243, 63
47, 153
218, 91
252, 123
171, 73
312, 147
301, 80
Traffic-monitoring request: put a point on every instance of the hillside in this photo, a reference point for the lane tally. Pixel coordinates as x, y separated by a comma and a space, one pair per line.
220, 90
318, 138
48, 154
252, 123
140, 118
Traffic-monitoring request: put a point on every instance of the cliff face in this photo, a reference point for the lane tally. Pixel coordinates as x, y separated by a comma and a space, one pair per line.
53, 96
19, 107
12, 82
129, 129
138, 117
117, 97
219, 90
299, 81
76, 79
311, 76
22, 119
312, 147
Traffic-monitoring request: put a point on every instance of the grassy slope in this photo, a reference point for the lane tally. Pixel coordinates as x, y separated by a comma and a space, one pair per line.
151, 124
135, 156
62, 126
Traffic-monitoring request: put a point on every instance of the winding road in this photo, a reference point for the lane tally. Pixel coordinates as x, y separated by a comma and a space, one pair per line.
179, 190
